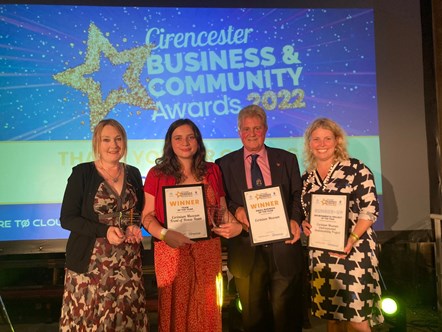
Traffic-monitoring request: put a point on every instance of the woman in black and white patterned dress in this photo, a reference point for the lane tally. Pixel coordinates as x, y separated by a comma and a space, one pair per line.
345, 287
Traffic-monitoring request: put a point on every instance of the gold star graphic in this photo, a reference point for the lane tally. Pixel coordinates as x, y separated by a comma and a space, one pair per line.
136, 93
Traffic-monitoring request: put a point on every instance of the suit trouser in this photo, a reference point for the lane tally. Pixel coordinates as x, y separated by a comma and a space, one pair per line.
270, 301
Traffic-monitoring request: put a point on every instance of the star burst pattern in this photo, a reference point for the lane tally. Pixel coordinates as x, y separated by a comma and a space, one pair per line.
135, 94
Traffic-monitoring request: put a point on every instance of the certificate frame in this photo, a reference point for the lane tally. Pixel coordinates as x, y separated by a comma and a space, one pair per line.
329, 220
267, 214
185, 210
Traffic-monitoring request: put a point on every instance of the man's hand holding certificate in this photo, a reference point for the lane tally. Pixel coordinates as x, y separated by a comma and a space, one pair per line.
267, 215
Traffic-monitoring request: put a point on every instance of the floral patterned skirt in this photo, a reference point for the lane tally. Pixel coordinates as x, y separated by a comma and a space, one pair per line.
186, 279
110, 296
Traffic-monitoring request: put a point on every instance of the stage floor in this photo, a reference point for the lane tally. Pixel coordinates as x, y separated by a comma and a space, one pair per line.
417, 319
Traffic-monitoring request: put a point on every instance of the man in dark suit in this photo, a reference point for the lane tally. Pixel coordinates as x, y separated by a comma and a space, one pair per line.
268, 277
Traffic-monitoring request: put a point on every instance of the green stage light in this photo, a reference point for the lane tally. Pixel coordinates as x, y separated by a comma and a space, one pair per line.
389, 306
238, 304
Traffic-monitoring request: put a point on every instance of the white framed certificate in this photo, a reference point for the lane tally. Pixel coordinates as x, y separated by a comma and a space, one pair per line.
329, 220
185, 210
267, 215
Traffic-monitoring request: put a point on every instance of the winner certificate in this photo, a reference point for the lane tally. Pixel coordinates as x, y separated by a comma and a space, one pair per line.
185, 210
328, 217
267, 215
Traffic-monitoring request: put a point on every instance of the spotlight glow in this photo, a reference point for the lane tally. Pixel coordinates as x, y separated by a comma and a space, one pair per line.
238, 304
219, 290
389, 306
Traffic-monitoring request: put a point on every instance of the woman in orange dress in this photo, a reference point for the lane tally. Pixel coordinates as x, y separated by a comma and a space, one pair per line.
186, 270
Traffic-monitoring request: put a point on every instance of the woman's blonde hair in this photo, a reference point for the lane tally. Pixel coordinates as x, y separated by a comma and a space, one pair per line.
97, 136
341, 152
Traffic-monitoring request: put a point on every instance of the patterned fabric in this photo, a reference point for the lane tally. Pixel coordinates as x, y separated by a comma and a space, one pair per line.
186, 276
110, 296
186, 286
347, 289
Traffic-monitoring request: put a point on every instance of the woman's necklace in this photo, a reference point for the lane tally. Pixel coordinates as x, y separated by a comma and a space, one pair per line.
329, 173
304, 191
310, 179
114, 179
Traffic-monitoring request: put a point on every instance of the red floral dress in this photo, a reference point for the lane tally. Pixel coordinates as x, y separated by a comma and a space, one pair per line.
186, 277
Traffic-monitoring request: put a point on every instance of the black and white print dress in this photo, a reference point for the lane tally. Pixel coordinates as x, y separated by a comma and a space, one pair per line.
346, 289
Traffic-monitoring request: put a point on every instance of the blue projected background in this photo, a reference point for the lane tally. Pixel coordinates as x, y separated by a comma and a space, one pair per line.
64, 68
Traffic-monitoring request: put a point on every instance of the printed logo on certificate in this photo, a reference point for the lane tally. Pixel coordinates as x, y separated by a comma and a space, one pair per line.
329, 220
185, 210
267, 215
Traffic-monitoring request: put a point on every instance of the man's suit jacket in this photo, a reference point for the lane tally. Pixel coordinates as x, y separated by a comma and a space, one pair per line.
284, 171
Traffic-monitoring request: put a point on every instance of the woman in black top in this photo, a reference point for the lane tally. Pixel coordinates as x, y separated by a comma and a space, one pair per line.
101, 206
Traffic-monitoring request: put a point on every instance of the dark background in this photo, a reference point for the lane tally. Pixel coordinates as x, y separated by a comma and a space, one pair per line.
409, 119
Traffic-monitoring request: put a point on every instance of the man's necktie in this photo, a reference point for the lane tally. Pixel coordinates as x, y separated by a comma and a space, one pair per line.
257, 178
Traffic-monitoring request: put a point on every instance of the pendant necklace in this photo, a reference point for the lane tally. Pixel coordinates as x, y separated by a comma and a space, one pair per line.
114, 179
